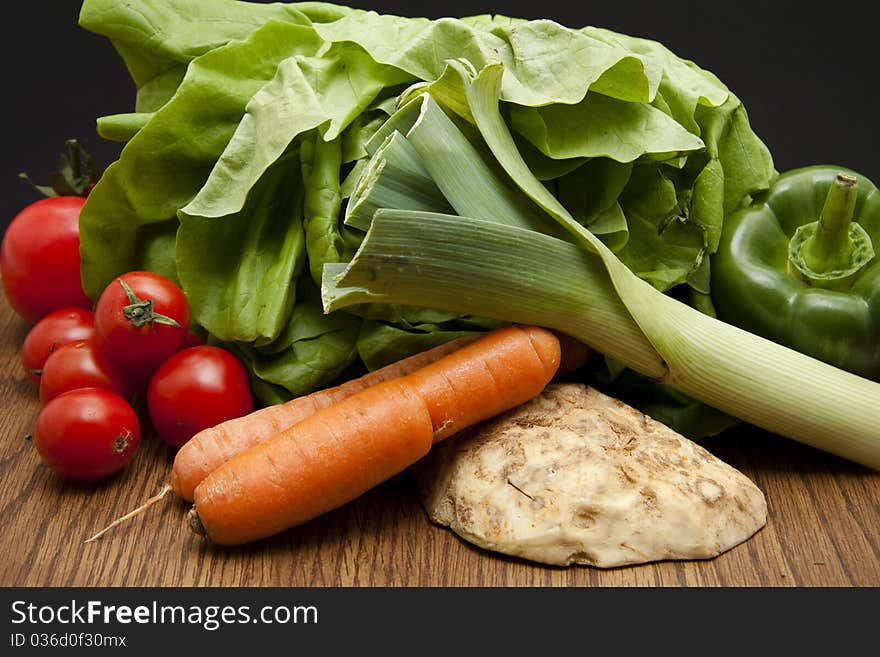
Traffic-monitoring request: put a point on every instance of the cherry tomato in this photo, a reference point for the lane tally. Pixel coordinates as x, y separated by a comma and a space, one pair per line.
141, 319
87, 434
197, 388
58, 328
39, 258
82, 365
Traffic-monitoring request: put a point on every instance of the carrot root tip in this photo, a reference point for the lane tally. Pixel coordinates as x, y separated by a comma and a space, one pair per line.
131, 514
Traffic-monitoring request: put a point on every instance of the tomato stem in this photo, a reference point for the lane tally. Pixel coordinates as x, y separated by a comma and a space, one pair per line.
76, 175
140, 312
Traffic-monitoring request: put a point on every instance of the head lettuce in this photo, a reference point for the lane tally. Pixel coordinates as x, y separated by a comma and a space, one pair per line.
252, 127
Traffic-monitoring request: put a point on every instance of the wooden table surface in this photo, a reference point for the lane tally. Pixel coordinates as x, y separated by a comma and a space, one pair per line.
823, 525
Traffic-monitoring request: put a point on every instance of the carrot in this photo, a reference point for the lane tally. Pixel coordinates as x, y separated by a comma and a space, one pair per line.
341, 451
212, 447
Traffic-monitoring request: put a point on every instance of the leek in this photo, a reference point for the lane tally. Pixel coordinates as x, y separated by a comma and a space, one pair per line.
487, 264
471, 184
395, 178
507, 273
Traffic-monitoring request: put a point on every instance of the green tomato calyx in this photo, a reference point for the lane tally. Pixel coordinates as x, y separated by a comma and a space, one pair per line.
140, 312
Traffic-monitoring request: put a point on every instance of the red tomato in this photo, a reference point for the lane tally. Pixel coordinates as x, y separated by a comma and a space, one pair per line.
141, 319
87, 434
195, 389
54, 330
39, 258
82, 365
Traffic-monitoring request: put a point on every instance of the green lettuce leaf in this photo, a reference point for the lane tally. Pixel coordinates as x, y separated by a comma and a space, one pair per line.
158, 40
592, 193
309, 89
167, 162
663, 246
683, 85
327, 240
600, 126
544, 62
240, 272
313, 350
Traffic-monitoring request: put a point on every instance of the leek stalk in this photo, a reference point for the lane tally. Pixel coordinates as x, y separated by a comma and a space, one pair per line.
494, 267
480, 267
395, 178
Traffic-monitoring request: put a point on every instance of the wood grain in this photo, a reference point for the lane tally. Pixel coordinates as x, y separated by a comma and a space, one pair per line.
823, 527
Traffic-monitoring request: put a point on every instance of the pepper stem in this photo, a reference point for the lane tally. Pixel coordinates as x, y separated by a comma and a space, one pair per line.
830, 247
830, 252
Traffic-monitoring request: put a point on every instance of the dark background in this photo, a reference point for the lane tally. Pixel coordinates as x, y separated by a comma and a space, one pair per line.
807, 73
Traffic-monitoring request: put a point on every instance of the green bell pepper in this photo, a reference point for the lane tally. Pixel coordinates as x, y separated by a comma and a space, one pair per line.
798, 267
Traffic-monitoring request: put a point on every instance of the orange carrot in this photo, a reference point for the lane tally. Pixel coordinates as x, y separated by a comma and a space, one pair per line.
341, 451
212, 447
